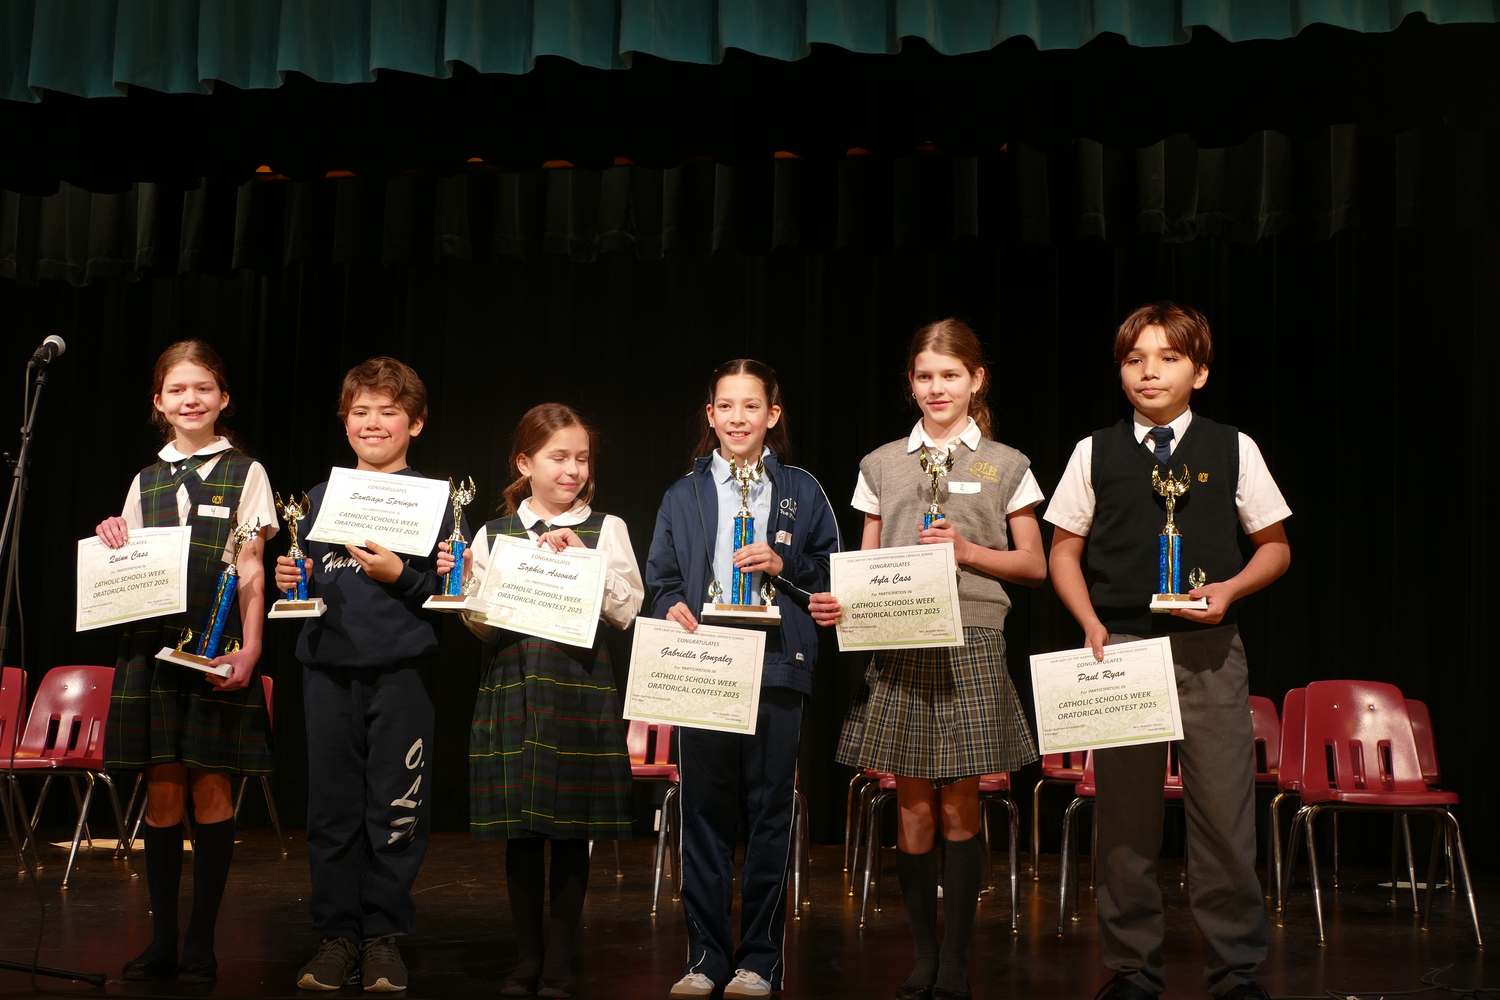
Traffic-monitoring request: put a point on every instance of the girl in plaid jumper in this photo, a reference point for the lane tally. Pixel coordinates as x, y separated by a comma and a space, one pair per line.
182, 727
547, 755
939, 718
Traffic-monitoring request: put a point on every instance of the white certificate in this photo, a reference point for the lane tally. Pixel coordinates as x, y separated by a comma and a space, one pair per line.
532, 589
1128, 698
403, 513
708, 679
144, 578
898, 598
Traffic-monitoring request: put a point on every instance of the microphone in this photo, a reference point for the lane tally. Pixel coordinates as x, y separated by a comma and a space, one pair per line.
51, 348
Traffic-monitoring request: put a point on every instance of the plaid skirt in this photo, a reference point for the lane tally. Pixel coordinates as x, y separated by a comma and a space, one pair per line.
943, 714
547, 755
160, 713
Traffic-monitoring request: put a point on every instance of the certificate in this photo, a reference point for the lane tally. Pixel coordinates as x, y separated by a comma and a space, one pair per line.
1128, 698
532, 589
403, 513
144, 578
708, 679
899, 598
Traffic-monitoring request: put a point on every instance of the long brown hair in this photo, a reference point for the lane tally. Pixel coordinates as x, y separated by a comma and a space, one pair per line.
535, 429
191, 352
778, 438
955, 338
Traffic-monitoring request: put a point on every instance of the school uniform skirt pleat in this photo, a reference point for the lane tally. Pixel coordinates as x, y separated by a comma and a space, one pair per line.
942, 714
160, 713
547, 753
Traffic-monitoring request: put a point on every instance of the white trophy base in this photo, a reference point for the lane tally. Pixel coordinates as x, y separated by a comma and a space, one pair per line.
313, 607
740, 614
191, 660
451, 603
1163, 603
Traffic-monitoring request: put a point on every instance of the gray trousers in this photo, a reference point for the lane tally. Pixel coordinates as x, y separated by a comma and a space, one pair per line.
1218, 777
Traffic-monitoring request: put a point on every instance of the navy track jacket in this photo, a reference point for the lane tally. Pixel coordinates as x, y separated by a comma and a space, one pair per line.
802, 530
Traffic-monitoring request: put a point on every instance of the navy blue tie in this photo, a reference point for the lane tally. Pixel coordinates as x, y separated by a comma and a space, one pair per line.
1162, 438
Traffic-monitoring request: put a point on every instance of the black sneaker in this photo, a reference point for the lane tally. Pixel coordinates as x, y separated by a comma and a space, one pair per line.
332, 968
381, 968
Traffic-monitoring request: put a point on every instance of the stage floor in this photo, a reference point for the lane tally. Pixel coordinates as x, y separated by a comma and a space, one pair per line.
463, 944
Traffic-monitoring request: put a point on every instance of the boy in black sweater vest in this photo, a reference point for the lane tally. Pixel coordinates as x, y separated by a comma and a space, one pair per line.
1106, 509
369, 715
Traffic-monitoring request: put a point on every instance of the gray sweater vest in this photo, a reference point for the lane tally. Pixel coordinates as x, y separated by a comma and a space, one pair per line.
897, 478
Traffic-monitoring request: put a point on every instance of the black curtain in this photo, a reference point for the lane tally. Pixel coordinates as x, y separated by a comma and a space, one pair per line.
1362, 364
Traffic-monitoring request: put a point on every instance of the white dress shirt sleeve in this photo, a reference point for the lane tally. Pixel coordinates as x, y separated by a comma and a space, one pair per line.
1256, 495
1073, 503
1028, 491
132, 512
865, 498
479, 563
624, 590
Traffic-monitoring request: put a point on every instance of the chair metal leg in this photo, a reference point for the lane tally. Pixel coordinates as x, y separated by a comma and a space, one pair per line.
1093, 857
1013, 828
1036, 831
1312, 869
1065, 861
1411, 864
239, 798
1273, 834
265, 789
799, 820
135, 790
851, 822
989, 847
867, 793
88, 834
661, 847
1335, 849
14, 806
1285, 888
804, 846
1449, 821
83, 813
872, 853
41, 797
114, 801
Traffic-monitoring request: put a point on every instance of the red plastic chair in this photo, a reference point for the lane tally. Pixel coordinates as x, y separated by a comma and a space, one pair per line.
76, 699
1267, 740
1362, 728
993, 788
268, 686
1057, 769
1421, 731
650, 747
12, 697
1288, 776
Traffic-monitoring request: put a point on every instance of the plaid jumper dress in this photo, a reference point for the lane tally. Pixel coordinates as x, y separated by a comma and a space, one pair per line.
161, 713
547, 754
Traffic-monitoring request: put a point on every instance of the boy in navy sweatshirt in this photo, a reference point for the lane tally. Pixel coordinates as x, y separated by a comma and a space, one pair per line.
369, 716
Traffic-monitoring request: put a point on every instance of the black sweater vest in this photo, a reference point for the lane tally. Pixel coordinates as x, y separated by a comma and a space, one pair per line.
1129, 516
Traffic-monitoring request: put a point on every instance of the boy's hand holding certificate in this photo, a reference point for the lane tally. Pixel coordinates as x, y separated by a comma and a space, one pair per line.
402, 513
1128, 698
897, 598
144, 578
705, 679
541, 592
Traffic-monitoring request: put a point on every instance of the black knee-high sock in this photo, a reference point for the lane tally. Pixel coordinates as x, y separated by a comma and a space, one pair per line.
919, 881
525, 884
213, 850
163, 879
569, 875
963, 873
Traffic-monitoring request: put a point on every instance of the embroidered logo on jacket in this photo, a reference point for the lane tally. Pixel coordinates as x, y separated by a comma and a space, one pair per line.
984, 470
789, 508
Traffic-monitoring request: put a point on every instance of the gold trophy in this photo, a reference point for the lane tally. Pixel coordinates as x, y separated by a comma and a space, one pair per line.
936, 468
296, 603
213, 630
454, 592
1169, 551
739, 610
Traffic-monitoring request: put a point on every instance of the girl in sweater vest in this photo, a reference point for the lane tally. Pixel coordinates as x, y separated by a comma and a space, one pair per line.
939, 718
182, 727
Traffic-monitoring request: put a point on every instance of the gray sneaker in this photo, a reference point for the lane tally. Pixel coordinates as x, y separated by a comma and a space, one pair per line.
333, 967
381, 968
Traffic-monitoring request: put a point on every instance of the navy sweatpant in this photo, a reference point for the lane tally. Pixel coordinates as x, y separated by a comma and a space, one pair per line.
725, 776
369, 747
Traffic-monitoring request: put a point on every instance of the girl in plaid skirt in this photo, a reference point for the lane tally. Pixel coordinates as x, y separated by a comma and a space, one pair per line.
938, 718
184, 728
547, 755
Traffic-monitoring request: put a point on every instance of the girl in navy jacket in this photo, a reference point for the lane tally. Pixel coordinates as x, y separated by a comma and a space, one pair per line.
726, 774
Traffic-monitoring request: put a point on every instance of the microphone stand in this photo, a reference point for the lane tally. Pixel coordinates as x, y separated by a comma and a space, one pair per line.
10, 531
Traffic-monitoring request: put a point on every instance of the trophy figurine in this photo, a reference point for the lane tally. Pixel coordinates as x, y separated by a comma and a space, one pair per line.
454, 593
936, 468
212, 633
739, 610
296, 603
1169, 551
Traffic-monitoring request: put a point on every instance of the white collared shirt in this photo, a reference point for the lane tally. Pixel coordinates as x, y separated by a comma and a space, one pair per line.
1028, 490
256, 500
623, 587
1257, 498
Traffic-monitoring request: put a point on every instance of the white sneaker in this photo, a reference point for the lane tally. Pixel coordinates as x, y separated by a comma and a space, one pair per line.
694, 984
747, 984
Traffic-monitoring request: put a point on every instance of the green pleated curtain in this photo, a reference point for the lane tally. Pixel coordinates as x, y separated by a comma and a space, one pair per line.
100, 48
